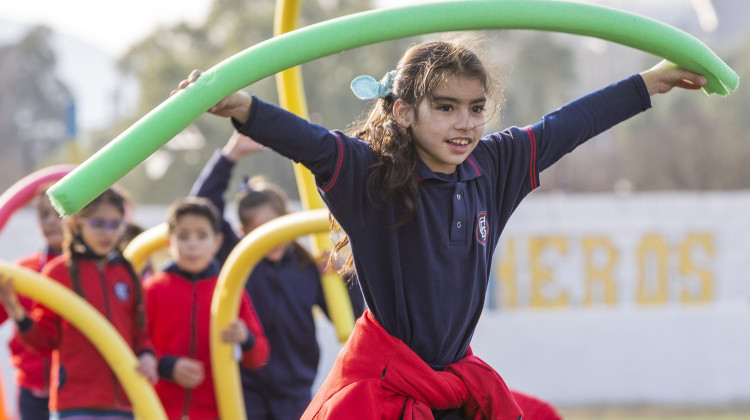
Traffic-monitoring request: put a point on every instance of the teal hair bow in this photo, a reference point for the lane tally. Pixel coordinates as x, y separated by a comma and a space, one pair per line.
366, 87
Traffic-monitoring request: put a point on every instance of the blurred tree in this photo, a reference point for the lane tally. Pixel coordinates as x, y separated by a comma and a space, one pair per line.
664, 149
35, 106
693, 143
539, 70
169, 54
685, 142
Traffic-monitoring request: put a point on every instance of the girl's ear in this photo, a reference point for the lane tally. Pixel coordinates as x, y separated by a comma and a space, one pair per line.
403, 113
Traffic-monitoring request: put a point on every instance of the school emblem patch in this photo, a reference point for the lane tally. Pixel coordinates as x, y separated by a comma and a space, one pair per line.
482, 228
122, 291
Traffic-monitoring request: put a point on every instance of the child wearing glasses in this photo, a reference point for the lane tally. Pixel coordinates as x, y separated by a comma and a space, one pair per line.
83, 387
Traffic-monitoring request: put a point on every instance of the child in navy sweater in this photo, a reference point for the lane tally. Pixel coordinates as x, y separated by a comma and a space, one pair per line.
179, 312
284, 287
423, 197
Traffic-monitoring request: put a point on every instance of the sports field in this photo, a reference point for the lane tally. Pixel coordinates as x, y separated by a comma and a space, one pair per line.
735, 412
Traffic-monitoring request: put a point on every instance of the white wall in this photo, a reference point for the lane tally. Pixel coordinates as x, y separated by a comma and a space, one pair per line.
659, 348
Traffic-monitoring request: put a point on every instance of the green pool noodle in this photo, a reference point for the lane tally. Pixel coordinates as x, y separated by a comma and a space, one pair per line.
167, 120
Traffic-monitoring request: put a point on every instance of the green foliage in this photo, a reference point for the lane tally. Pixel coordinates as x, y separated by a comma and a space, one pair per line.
165, 58
33, 107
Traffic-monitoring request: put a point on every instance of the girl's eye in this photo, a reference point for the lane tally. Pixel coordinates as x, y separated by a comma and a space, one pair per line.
478, 109
445, 108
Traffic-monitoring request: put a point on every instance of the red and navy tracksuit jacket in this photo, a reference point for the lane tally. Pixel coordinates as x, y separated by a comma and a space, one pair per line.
178, 307
81, 378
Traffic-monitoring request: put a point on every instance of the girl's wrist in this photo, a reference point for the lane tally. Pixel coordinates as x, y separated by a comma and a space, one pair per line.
241, 112
19, 314
230, 153
649, 81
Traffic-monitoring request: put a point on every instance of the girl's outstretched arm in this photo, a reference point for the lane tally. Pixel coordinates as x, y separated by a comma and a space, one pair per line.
236, 105
664, 76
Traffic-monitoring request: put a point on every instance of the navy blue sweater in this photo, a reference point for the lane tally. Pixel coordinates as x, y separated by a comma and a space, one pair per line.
425, 281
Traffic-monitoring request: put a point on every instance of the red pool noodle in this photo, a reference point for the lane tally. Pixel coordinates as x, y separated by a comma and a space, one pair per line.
23, 191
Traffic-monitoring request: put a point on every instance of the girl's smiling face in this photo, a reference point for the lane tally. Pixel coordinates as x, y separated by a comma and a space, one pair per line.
447, 126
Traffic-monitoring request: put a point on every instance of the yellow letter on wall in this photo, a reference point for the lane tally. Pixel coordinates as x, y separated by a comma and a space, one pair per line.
542, 276
704, 276
601, 276
652, 270
505, 273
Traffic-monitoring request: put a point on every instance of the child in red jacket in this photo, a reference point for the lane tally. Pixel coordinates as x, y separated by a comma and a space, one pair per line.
178, 306
32, 369
83, 386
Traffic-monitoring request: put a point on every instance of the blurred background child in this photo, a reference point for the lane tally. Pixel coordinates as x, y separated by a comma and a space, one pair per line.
284, 287
33, 369
179, 312
83, 386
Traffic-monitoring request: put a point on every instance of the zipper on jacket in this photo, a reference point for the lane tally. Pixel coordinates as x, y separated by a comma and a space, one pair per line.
193, 343
108, 314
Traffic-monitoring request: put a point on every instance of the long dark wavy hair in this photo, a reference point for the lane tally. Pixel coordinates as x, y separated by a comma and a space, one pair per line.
421, 69
74, 248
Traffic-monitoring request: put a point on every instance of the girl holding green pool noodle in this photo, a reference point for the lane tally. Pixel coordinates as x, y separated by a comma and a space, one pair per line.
145, 137
422, 198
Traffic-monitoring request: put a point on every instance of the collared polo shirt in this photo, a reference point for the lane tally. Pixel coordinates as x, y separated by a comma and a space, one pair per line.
425, 280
